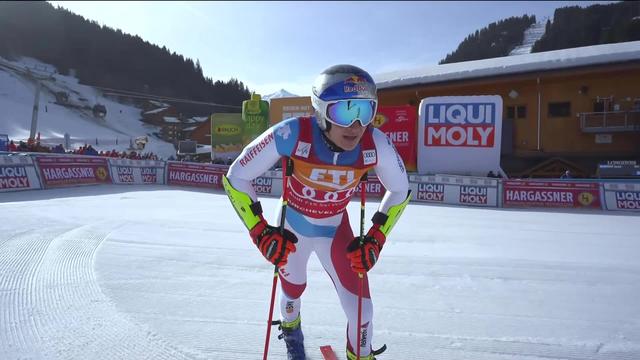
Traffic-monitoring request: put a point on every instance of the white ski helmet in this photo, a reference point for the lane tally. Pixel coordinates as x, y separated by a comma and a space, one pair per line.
343, 94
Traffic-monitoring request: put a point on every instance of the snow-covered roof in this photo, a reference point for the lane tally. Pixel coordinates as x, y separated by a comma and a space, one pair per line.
171, 119
549, 60
190, 128
202, 149
155, 111
158, 103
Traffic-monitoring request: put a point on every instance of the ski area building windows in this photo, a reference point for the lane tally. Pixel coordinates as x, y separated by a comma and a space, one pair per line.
516, 112
560, 109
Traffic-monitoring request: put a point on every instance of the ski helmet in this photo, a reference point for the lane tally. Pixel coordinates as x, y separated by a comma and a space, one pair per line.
343, 94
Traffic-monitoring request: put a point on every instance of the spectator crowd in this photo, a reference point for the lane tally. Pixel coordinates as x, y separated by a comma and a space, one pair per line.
36, 146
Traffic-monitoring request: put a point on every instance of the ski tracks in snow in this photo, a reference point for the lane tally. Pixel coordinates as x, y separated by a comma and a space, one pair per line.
51, 306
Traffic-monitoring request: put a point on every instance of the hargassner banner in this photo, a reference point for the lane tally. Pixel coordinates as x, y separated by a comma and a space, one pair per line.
17, 173
460, 135
193, 174
72, 170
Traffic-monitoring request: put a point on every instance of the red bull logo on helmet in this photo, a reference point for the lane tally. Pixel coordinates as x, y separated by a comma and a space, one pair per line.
355, 84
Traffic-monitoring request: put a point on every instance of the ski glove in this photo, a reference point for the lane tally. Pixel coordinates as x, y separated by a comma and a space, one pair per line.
272, 244
364, 253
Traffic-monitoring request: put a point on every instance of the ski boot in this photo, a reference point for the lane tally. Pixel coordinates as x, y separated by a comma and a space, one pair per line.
293, 338
371, 356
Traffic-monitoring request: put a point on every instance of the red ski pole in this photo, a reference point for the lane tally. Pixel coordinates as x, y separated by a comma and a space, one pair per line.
363, 183
287, 169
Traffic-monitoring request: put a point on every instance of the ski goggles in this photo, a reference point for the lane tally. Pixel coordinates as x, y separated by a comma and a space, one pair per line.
345, 112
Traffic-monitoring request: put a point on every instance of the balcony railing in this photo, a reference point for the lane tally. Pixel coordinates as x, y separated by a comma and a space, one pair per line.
612, 121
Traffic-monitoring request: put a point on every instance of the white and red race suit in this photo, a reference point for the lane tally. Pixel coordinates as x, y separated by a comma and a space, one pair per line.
319, 190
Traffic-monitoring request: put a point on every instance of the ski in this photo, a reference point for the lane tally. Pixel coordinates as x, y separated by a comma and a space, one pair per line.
327, 352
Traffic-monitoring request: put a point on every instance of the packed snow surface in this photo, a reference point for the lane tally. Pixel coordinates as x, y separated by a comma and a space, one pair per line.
133, 272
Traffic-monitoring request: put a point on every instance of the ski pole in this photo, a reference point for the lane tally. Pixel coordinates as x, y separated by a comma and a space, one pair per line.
287, 168
363, 182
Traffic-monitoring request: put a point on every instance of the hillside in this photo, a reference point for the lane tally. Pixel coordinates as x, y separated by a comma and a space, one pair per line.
102, 56
495, 40
116, 130
571, 27
597, 24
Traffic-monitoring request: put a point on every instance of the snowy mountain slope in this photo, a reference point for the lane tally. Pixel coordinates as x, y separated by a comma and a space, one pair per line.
531, 35
282, 93
17, 92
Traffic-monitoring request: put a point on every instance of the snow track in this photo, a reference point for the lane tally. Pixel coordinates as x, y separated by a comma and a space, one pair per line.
150, 272
48, 285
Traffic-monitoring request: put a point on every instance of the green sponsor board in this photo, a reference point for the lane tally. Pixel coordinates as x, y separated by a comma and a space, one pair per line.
226, 135
255, 115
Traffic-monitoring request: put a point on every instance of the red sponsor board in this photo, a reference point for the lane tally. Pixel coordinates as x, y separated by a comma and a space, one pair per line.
399, 124
71, 170
551, 194
207, 176
14, 177
373, 187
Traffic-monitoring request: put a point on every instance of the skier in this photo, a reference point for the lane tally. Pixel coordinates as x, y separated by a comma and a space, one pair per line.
330, 152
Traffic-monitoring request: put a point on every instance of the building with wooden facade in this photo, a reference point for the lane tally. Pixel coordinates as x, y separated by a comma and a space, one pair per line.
564, 109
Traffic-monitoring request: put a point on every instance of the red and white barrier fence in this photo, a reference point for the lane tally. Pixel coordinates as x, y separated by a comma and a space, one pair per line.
26, 172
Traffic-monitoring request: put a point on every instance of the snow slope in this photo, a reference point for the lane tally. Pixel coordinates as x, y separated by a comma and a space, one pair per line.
17, 93
282, 93
531, 35
133, 272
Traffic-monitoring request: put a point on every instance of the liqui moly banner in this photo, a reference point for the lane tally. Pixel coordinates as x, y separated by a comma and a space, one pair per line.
623, 196
59, 171
17, 173
460, 135
199, 175
457, 190
399, 124
264, 185
139, 172
551, 194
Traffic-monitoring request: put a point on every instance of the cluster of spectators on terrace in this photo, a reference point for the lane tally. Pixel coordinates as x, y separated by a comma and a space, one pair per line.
36, 146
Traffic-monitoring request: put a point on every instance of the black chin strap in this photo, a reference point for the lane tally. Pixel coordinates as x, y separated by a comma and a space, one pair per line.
332, 146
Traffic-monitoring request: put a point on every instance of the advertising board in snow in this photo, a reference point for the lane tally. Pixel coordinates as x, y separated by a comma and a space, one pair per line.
459, 135
199, 175
17, 173
622, 196
551, 194
138, 172
59, 171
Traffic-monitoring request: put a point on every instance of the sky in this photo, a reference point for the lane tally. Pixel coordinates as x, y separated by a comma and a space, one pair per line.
284, 45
